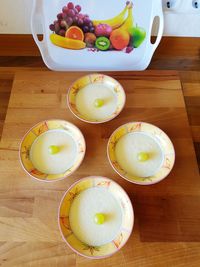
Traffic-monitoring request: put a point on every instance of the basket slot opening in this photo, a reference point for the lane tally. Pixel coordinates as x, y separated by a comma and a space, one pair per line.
155, 29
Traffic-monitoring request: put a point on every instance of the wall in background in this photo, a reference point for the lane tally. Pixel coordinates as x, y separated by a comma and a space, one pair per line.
15, 18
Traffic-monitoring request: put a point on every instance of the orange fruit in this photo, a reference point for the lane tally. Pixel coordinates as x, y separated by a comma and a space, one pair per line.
75, 33
119, 39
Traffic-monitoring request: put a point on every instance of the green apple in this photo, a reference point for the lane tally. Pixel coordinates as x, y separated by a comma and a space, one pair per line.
138, 34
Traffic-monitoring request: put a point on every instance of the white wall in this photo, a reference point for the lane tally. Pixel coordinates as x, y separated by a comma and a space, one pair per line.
15, 18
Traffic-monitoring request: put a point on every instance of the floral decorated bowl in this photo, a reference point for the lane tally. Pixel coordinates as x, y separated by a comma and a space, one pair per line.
141, 153
96, 98
76, 223
52, 150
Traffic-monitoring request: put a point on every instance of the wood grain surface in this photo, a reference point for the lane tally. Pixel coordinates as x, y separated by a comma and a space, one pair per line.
166, 231
173, 53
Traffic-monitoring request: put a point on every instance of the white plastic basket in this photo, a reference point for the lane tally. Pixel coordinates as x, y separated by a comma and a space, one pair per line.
60, 59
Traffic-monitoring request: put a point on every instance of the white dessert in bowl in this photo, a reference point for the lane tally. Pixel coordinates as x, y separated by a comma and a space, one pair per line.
51, 162
52, 150
141, 153
84, 219
96, 217
129, 149
96, 98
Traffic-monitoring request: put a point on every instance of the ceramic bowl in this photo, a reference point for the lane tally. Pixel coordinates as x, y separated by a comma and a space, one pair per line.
165, 144
102, 80
127, 218
35, 132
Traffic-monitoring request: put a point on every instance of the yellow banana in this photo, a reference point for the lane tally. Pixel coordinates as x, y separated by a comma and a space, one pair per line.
115, 22
129, 22
66, 42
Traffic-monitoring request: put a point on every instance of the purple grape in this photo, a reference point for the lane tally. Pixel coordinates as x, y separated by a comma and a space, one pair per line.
89, 45
60, 16
90, 24
71, 13
57, 27
52, 27
75, 10
64, 9
85, 29
59, 21
63, 24
86, 21
78, 8
92, 29
129, 49
69, 21
62, 33
67, 12
75, 19
64, 15
57, 32
81, 16
80, 22
70, 5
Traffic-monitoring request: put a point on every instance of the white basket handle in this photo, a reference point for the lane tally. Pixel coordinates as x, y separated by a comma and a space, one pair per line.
36, 18
157, 11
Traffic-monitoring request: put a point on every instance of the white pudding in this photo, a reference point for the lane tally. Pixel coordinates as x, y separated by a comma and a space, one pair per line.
59, 162
87, 101
85, 206
133, 146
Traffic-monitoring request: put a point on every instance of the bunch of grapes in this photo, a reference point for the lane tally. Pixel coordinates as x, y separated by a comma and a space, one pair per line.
71, 16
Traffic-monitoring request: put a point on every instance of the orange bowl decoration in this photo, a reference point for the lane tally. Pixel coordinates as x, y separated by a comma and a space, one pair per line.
114, 88
64, 221
150, 131
36, 132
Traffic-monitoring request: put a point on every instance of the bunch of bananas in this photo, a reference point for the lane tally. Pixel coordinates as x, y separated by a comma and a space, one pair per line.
125, 33
121, 20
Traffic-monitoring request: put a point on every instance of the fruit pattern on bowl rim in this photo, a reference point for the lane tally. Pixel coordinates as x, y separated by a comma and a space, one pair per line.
82, 82
127, 220
158, 135
37, 130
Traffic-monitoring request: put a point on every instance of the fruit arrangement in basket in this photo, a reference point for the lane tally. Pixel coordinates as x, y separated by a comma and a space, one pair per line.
74, 30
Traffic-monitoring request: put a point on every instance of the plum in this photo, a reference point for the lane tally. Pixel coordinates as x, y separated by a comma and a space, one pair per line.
103, 30
90, 39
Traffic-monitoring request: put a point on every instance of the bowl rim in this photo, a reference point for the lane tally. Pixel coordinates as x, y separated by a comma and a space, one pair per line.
61, 178
58, 218
132, 181
88, 121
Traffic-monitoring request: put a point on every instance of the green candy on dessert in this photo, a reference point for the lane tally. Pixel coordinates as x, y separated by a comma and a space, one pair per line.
53, 150
98, 103
142, 156
99, 218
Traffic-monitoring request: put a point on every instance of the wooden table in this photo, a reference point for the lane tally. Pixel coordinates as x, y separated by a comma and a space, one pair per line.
167, 218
